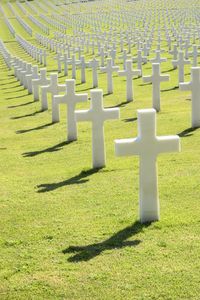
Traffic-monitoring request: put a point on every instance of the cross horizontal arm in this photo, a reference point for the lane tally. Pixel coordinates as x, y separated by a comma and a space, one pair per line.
111, 113
168, 144
83, 115
59, 99
165, 78
147, 79
81, 98
122, 73
103, 69
185, 86
61, 87
127, 147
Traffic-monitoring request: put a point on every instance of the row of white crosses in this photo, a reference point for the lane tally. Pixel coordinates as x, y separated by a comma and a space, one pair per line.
132, 21
147, 145
36, 53
39, 24
155, 79
146, 141
140, 59
24, 24
149, 204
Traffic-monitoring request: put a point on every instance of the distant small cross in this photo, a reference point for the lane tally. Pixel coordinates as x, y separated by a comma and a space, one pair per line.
156, 78
129, 73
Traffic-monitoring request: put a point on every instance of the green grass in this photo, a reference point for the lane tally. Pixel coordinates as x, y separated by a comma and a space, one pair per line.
70, 232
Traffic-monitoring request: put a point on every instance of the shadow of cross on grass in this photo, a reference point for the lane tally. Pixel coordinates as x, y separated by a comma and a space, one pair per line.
78, 179
187, 132
117, 241
35, 128
54, 148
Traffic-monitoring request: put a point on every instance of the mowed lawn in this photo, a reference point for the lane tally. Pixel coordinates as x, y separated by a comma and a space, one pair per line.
68, 231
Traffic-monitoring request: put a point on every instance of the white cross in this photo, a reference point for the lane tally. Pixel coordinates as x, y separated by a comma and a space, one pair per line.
59, 59
129, 73
180, 63
41, 81
156, 78
102, 54
83, 66
109, 69
65, 61
194, 87
112, 54
145, 49
97, 114
140, 60
30, 77
74, 62
53, 88
70, 99
125, 57
147, 145
158, 58
174, 52
25, 73
94, 64
194, 54
44, 58
18, 65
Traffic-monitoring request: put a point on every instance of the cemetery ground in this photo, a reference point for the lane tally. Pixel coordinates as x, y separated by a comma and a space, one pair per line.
71, 232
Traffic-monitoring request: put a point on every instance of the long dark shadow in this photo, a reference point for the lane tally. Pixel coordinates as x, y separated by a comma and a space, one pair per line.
28, 115
170, 89
35, 128
16, 97
86, 89
145, 84
116, 241
78, 179
170, 70
10, 82
187, 132
8, 88
130, 120
21, 89
122, 104
19, 105
47, 150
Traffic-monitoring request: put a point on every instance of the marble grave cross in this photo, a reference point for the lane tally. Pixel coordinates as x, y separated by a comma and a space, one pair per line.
94, 64
70, 99
180, 63
156, 78
129, 73
30, 77
41, 81
148, 146
194, 87
53, 88
109, 69
97, 114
